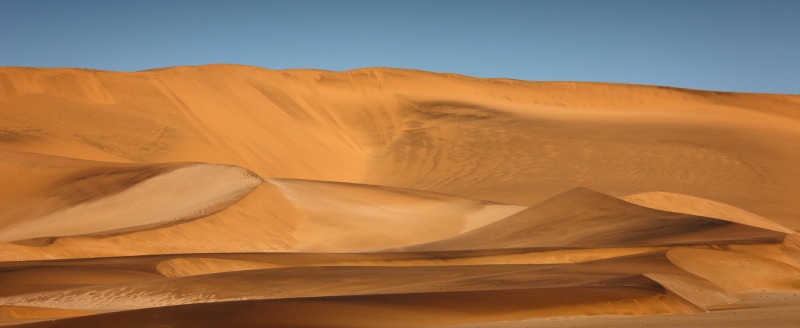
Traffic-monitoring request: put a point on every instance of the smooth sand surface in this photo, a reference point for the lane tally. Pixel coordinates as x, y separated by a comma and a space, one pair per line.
673, 202
583, 218
511, 142
763, 309
227, 195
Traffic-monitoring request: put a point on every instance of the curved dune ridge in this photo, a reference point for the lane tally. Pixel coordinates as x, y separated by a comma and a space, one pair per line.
225, 195
667, 201
506, 141
329, 281
147, 196
297, 215
582, 218
350, 217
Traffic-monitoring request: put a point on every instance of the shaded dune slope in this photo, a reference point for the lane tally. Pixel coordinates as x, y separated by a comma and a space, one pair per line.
397, 310
278, 214
340, 281
92, 198
350, 217
488, 139
642, 284
582, 218
682, 280
226, 195
679, 203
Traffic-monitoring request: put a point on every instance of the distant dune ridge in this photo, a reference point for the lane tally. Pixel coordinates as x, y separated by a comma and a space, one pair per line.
226, 195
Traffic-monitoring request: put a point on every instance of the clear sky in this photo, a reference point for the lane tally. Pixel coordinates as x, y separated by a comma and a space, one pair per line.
728, 45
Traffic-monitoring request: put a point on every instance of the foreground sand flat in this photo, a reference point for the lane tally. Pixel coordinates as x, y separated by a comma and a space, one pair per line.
227, 195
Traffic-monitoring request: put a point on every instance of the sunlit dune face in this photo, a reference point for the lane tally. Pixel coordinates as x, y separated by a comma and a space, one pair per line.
224, 195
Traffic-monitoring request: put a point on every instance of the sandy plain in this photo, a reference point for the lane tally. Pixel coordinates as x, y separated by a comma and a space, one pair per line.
226, 195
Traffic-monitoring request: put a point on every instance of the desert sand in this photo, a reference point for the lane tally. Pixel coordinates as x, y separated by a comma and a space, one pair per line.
235, 196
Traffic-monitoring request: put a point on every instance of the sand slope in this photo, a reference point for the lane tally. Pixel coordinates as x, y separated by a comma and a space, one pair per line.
511, 142
349, 217
582, 218
83, 198
279, 214
424, 295
226, 195
673, 202
343, 280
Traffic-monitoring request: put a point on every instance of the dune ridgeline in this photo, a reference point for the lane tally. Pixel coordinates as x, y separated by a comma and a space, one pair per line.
227, 195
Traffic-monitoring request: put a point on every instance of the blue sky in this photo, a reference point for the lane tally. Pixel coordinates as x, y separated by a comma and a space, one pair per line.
751, 46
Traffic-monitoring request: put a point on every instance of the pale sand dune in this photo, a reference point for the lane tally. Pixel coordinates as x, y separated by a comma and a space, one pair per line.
787, 251
699, 292
298, 215
672, 202
512, 142
289, 282
404, 310
583, 218
186, 193
340, 281
226, 195
737, 272
503, 283
773, 309
51, 184
94, 199
347, 217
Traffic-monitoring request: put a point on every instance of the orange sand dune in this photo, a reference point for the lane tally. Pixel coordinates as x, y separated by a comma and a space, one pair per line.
582, 218
491, 284
10, 315
226, 195
71, 197
340, 281
349, 217
403, 310
511, 142
673, 202
297, 215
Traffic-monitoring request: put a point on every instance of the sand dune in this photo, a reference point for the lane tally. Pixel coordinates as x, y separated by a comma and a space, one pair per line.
226, 195
297, 215
582, 218
349, 217
699, 292
511, 142
21, 314
56, 183
341, 281
536, 291
267, 281
752, 272
94, 199
412, 310
673, 202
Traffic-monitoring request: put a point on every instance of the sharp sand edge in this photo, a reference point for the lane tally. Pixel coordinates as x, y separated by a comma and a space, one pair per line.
186, 193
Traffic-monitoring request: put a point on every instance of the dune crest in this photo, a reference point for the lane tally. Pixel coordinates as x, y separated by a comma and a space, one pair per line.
699, 292
348, 217
582, 218
667, 201
226, 195
737, 272
506, 141
90, 198
288, 215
